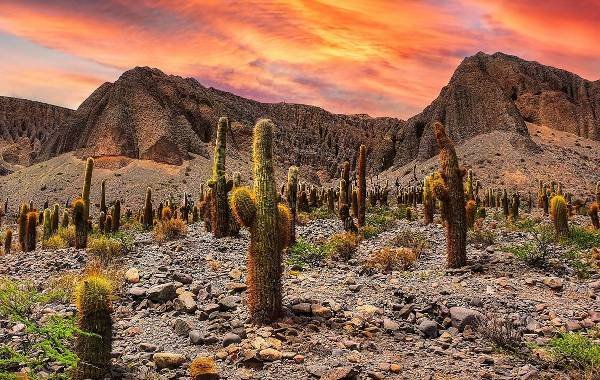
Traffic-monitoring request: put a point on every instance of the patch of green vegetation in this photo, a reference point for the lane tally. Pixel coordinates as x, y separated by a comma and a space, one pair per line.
526, 224
47, 342
573, 258
485, 237
582, 238
380, 219
304, 253
577, 349
320, 213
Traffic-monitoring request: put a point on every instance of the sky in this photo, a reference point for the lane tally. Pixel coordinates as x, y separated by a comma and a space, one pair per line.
384, 58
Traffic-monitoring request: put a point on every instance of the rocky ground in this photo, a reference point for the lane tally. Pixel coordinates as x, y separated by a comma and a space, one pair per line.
342, 321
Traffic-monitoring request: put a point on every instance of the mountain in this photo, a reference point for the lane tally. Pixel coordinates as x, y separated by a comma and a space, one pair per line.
25, 127
146, 114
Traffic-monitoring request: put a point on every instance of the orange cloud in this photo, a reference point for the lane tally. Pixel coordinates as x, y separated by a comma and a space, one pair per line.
367, 56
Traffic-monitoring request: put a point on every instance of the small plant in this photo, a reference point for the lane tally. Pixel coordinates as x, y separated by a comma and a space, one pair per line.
582, 238
54, 242
342, 245
535, 253
578, 350
415, 240
170, 229
304, 253
500, 331
104, 249
388, 259
320, 213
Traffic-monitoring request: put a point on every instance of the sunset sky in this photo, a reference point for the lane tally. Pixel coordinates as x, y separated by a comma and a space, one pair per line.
384, 58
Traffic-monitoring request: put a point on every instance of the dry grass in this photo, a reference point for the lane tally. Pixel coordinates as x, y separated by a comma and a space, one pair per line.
170, 229
55, 242
388, 259
415, 240
342, 245
104, 249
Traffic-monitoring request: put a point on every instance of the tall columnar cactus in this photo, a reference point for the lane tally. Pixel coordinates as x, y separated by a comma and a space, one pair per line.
116, 216
505, 203
559, 215
292, 199
593, 213
449, 190
102, 221
55, 216
345, 175
428, 200
87, 183
148, 218
354, 203
47, 226
23, 225
220, 211
103, 207
469, 185
598, 192
7, 241
64, 223
540, 194
93, 298
471, 210
362, 185
515, 202
80, 224
31, 231
269, 225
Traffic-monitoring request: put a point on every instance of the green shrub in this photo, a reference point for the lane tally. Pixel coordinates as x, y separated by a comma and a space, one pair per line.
305, 253
582, 238
55, 242
67, 235
342, 245
577, 349
320, 213
104, 248
481, 236
415, 240
166, 230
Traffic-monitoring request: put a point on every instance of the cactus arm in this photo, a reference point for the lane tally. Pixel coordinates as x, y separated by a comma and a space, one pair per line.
243, 206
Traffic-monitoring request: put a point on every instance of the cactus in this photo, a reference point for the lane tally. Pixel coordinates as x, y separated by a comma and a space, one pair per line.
80, 224
292, 199
362, 185
449, 190
469, 185
203, 368
593, 213
47, 229
148, 215
354, 203
102, 221
31, 231
103, 207
107, 224
471, 209
22, 225
515, 202
597, 192
54, 218
7, 241
505, 203
116, 216
237, 179
559, 215
195, 214
409, 214
64, 223
94, 305
269, 226
428, 200
87, 182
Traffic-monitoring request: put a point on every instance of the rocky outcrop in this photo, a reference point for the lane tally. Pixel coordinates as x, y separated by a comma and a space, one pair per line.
25, 126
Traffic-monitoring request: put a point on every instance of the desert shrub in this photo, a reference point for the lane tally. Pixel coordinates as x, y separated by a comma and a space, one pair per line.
500, 331
578, 350
55, 242
320, 213
415, 240
342, 245
481, 236
104, 248
526, 224
67, 235
170, 229
305, 253
536, 253
302, 218
369, 231
45, 342
388, 259
581, 265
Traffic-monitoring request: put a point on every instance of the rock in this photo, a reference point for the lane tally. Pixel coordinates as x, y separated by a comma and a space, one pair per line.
554, 283
302, 308
137, 292
340, 373
231, 338
461, 317
320, 310
390, 325
182, 327
162, 292
183, 278
429, 328
229, 302
406, 310
270, 354
185, 301
132, 275
395, 368
168, 359
148, 347
196, 337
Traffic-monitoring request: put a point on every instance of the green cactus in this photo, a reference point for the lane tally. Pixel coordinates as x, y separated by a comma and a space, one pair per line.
102, 221
449, 190
65, 219
81, 224
103, 207
220, 211
116, 216
469, 185
292, 199
47, 226
269, 225
559, 215
148, 214
23, 225
87, 183
93, 298
7, 241
54, 218
362, 185
515, 202
31, 231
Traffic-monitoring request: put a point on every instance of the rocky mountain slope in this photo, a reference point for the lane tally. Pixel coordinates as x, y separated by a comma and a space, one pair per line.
25, 126
147, 114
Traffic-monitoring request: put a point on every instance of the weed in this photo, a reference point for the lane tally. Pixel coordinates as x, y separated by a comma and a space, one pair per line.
415, 240
388, 259
170, 229
304, 253
342, 245
578, 350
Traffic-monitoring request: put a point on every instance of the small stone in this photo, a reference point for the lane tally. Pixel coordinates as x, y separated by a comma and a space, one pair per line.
231, 338
137, 292
229, 302
553, 283
429, 328
196, 337
395, 368
148, 347
182, 327
270, 354
185, 301
461, 317
302, 308
320, 311
390, 325
183, 278
132, 275
162, 292
168, 359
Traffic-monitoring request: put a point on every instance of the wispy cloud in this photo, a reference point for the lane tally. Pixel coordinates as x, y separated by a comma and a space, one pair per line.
366, 56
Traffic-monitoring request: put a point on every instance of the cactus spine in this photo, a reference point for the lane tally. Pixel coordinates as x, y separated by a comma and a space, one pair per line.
269, 226
87, 182
559, 215
362, 185
80, 224
449, 190
292, 199
93, 300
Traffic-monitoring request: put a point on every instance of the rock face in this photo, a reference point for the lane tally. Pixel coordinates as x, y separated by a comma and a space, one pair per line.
499, 92
25, 126
147, 114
